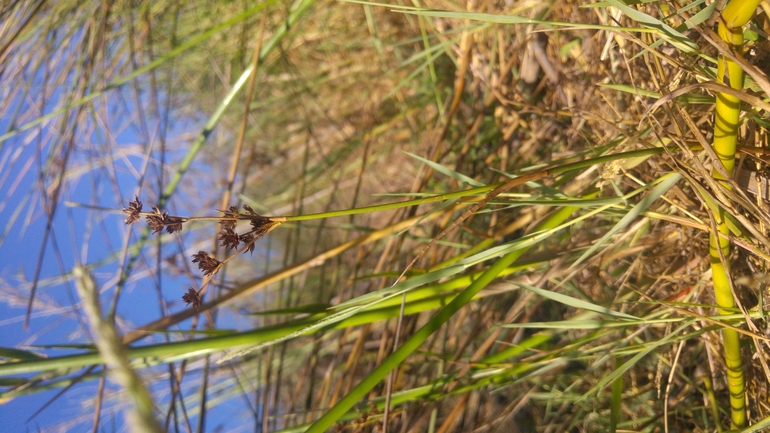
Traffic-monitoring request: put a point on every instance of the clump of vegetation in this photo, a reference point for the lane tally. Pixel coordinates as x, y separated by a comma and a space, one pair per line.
458, 217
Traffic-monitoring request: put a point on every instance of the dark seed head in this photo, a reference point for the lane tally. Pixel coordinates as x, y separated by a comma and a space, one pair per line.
192, 297
249, 210
229, 238
160, 220
133, 210
208, 265
249, 240
231, 212
262, 226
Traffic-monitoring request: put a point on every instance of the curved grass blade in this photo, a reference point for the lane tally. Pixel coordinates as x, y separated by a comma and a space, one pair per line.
603, 381
514, 19
169, 352
575, 303
671, 35
446, 171
663, 184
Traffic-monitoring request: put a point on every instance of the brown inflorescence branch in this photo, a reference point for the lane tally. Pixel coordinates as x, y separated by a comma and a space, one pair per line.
159, 220
156, 219
230, 239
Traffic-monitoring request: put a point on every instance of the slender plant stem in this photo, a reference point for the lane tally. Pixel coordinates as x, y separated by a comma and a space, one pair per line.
736, 14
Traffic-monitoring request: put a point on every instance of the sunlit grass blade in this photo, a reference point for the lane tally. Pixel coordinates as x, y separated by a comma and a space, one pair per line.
618, 372
576, 303
663, 185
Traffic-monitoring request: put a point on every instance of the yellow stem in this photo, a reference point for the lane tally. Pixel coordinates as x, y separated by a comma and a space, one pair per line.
735, 14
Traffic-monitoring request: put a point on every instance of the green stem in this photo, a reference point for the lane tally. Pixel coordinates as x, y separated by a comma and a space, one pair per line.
728, 110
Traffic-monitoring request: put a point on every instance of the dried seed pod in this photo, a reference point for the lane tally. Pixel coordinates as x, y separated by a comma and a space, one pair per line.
208, 265
249, 240
229, 238
231, 212
133, 210
160, 220
192, 297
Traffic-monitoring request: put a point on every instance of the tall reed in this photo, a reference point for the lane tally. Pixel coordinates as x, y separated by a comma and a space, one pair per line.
733, 17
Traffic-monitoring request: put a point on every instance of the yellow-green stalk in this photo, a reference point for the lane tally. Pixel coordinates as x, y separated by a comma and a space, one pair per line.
734, 16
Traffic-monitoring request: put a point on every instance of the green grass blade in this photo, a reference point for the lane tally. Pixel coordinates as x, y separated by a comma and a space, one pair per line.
664, 184
616, 399
18, 354
446, 171
617, 373
409, 346
667, 32
574, 302
434, 324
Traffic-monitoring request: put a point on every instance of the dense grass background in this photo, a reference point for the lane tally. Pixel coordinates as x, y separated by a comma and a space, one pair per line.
577, 297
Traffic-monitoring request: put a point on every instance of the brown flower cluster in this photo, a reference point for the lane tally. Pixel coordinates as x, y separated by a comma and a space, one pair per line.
230, 239
262, 226
208, 265
157, 220
160, 220
133, 211
230, 217
249, 240
192, 297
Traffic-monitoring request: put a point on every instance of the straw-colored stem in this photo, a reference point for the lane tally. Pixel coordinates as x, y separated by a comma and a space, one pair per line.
141, 418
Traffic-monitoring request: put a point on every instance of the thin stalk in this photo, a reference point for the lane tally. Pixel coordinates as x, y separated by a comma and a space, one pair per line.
551, 171
201, 139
